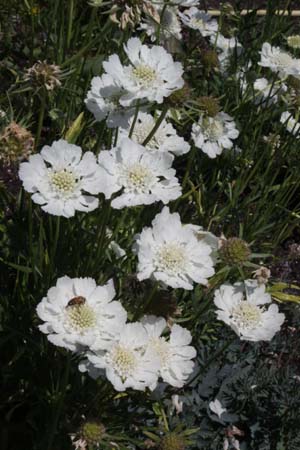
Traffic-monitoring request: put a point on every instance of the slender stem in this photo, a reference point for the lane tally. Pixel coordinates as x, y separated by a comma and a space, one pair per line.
136, 113
157, 125
41, 117
70, 23
56, 236
58, 409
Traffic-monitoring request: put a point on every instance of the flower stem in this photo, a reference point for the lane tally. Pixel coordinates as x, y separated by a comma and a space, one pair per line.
70, 22
157, 125
41, 118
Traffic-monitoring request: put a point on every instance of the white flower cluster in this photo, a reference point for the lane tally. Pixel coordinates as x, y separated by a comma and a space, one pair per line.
83, 317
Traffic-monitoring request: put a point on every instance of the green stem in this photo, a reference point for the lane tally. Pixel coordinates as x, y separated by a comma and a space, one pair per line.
41, 118
136, 113
157, 125
58, 409
70, 23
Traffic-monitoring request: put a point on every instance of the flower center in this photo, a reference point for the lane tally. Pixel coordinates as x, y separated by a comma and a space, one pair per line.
81, 317
283, 60
137, 178
63, 181
246, 315
161, 347
141, 131
123, 361
171, 258
213, 129
145, 74
197, 22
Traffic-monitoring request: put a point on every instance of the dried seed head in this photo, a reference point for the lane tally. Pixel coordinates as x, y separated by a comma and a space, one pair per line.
234, 251
16, 144
179, 97
172, 441
45, 75
210, 60
262, 275
209, 105
92, 432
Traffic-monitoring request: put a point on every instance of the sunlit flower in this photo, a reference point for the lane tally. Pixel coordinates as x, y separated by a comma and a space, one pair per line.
164, 140
79, 314
279, 61
139, 176
128, 364
152, 73
168, 26
213, 134
242, 307
294, 41
59, 178
170, 252
291, 124
267, 93
103, 102
174, 353
200, 21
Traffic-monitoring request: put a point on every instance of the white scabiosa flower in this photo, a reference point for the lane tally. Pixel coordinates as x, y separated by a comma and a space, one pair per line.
279, 61
59, 178
213, 134
291, 124
169, 26
103, 102
226, 47
165, 139
128, 363
266, 93
186, 3
152, 73
170, 252
242, 307
200, 21
139, 176
79, 314
174, 353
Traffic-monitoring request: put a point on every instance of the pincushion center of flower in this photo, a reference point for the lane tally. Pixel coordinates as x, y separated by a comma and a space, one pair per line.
214, 129
246, 315
81, 317
161, 347
141, 131
123, 360
63, 181
137, 178
197, 22
144, 74
283, 60
171, 258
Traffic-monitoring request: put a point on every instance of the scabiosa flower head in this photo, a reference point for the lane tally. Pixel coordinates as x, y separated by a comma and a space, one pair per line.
139, 176
45, 75
128, 363
170, 252
226, 48
293, 41
213, 134
164, 140
78, 314
200, 21
279, 61
175, 354
291, 124
16, 144
234, 251
267, 93
59, 177
103, 102
168, 24
152, 73
242, 307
